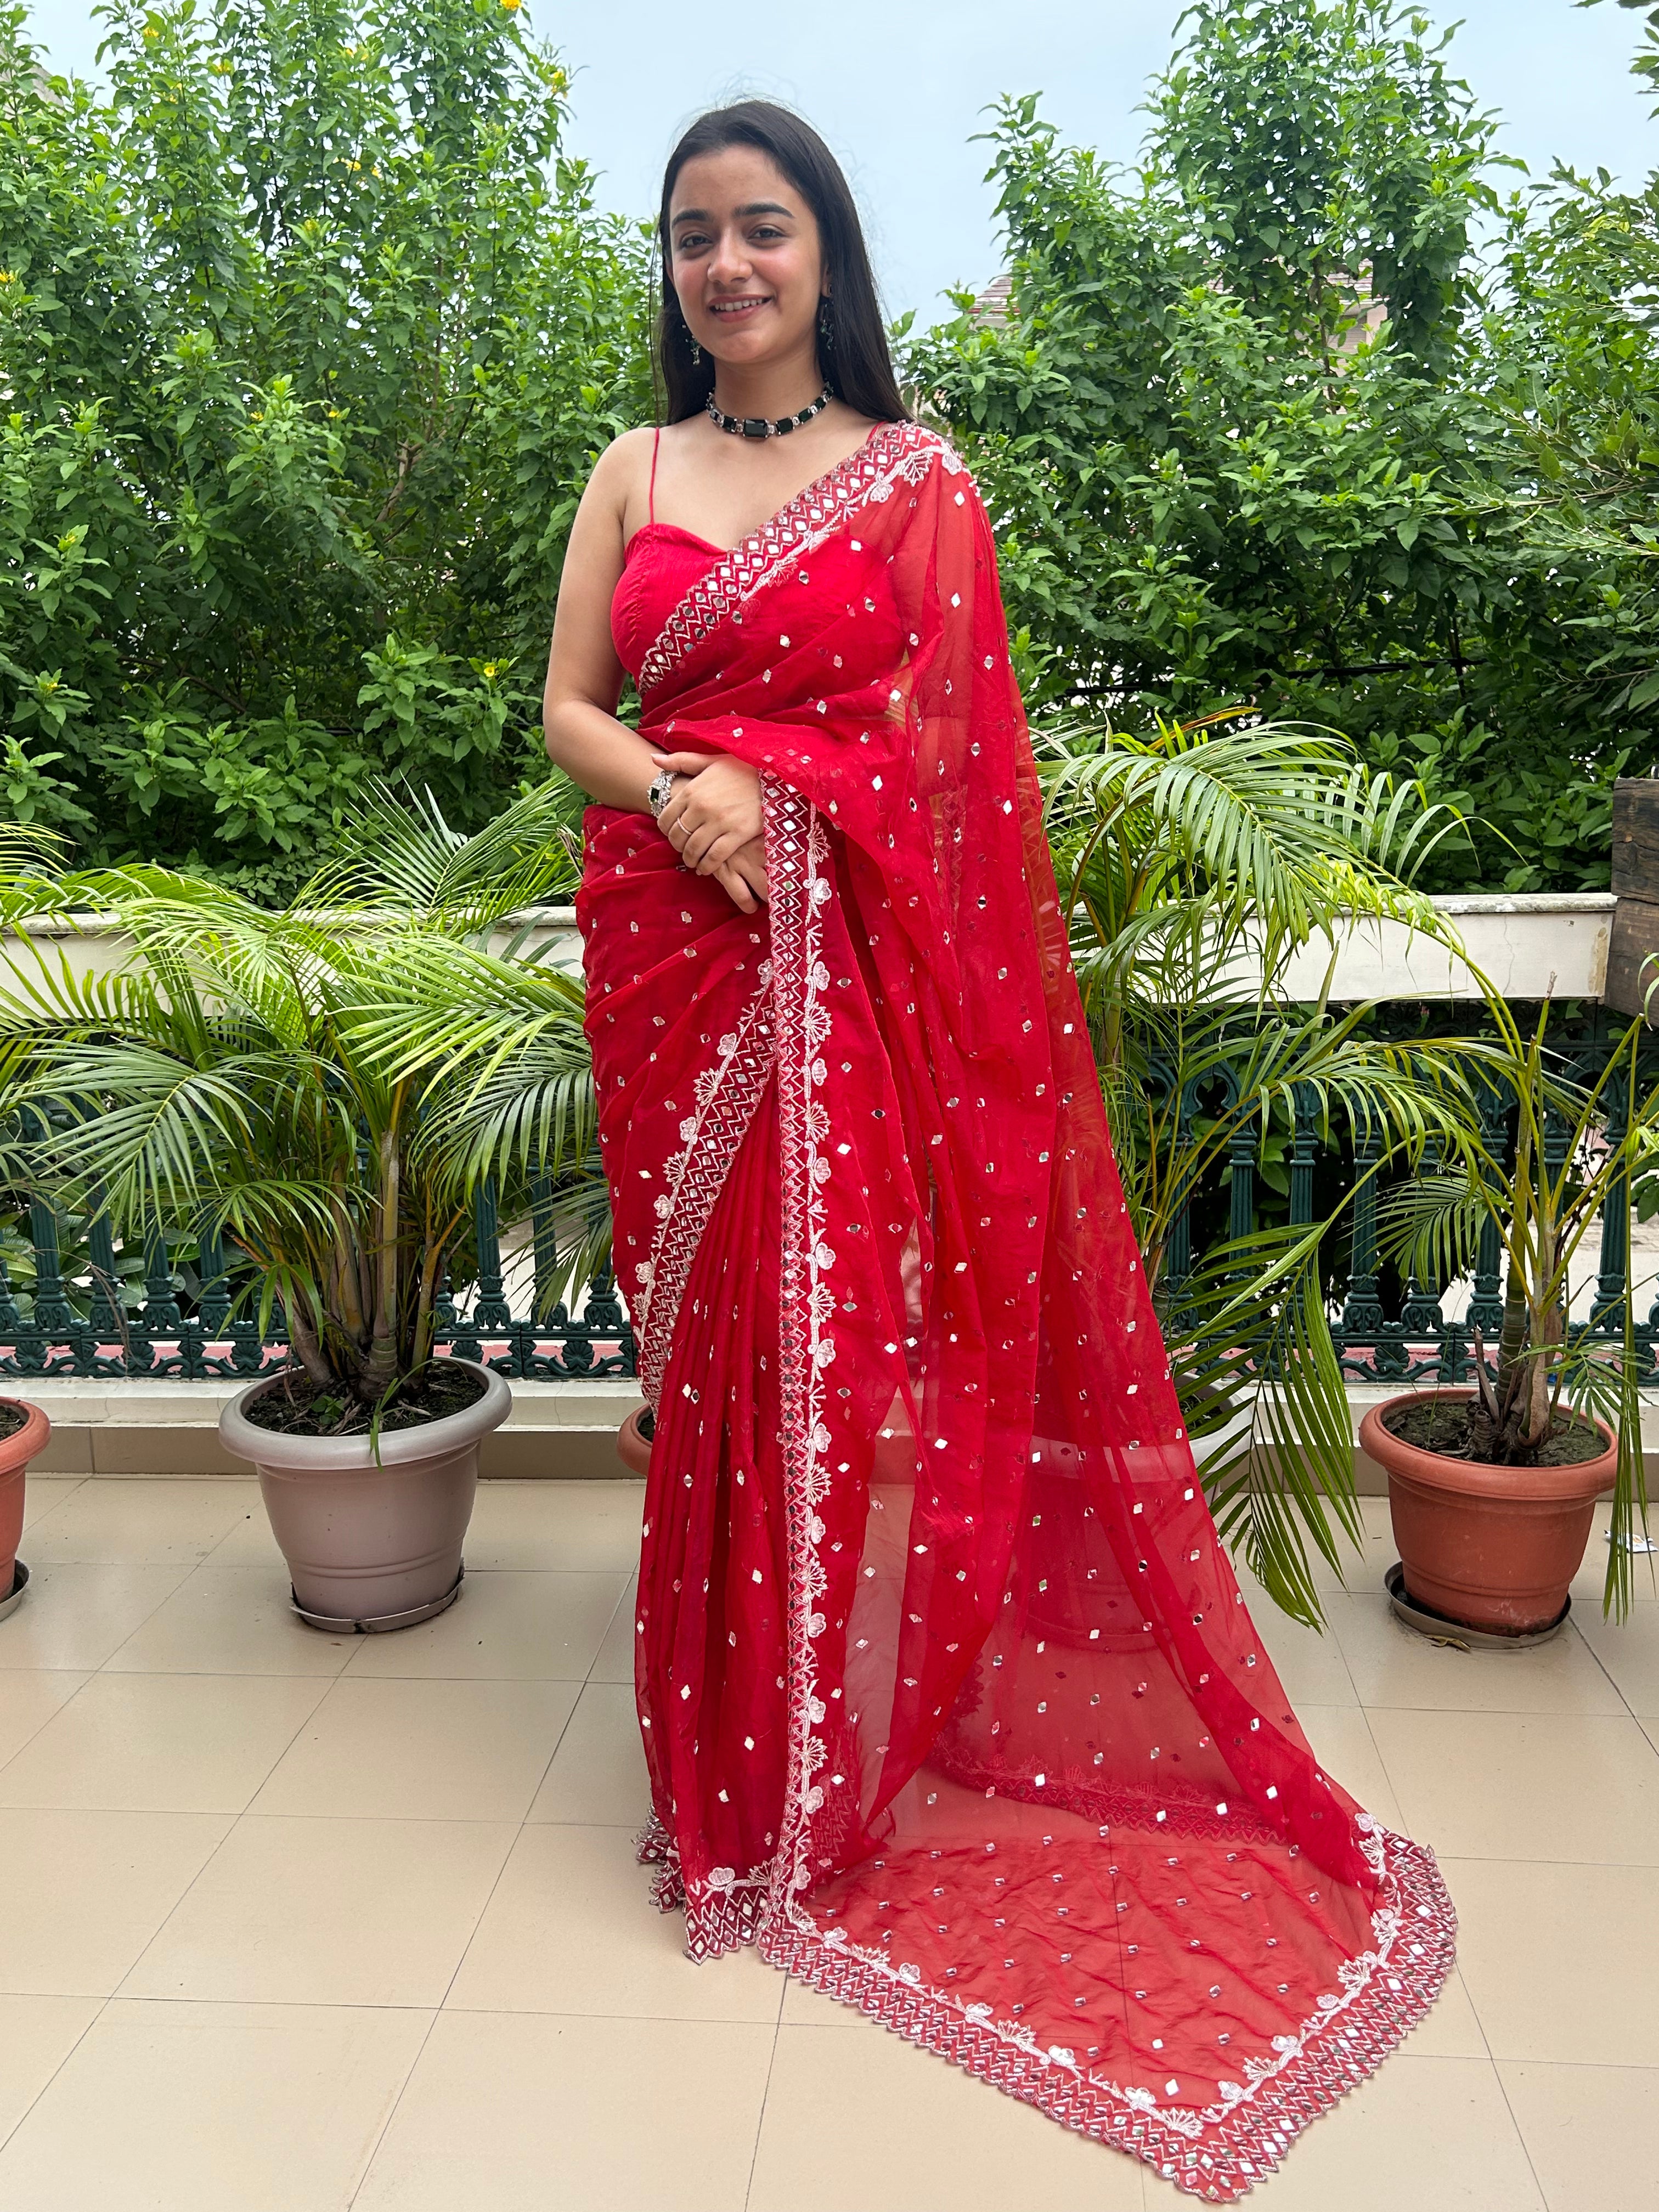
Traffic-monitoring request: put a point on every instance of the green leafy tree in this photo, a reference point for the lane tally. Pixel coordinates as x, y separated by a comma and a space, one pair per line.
309, 334
1261, 427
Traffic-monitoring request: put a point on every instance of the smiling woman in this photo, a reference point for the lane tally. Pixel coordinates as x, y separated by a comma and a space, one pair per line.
951, 1702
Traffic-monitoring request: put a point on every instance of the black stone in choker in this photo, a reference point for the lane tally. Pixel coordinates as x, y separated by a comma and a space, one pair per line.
757, 426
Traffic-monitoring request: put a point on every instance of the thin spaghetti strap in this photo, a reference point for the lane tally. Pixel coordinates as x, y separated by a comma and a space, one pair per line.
656, 441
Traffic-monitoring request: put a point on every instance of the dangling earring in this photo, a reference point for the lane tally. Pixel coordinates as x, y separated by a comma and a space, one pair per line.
826, 325
696, 350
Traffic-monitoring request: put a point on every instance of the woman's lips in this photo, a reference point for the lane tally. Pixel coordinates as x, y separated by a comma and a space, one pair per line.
736, 311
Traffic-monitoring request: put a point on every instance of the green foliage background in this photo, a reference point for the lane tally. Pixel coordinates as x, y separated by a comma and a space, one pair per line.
1305, 413
310, 332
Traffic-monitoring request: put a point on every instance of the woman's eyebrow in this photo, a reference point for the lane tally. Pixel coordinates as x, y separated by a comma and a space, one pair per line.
751, 207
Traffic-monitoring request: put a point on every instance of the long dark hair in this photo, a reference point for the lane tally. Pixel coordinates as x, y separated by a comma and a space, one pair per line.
855, 362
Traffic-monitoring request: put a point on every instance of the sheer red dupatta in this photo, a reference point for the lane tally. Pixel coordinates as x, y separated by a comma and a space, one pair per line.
949, 1697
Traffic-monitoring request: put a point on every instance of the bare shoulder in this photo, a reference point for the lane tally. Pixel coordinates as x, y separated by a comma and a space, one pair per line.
621, 467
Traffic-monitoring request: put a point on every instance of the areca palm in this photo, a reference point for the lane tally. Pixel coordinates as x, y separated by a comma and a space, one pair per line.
250, 1074
1195, 863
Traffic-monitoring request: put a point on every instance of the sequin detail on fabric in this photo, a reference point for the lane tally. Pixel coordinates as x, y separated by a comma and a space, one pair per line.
727, 1095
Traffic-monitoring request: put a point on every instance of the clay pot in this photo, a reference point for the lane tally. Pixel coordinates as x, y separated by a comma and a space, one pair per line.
16, 1451
370, 1546
1494, 1548
632, 1449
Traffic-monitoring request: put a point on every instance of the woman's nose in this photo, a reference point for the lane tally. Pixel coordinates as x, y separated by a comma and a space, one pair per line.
729, 264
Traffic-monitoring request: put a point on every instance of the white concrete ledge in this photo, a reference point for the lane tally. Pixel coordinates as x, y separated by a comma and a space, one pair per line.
565, 1431
1531, 945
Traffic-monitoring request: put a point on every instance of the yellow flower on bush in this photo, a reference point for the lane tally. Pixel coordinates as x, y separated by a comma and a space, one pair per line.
512, 6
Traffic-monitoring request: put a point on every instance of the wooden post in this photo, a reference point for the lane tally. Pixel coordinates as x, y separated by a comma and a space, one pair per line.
1634, 948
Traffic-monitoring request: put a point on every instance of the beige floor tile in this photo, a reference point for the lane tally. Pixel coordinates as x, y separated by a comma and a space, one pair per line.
584, 1528
249, 1542
571, 1929
423, 1751
37, 2034
597, 1776
1583, 1788
1590, 1579
1343, 1745
45, 1493
1393, 1665
1562, 1962
1629, 1652
1589, 2130
517, 2114
928, 2138
508, 1625
76, 1616
1451, 2029
213, 2108
28, 1699
1434, 2134
171, 1743
1309, 1665
1363, 1568
139, 1523
85, 1892
231, 1620
806, 2007
615, 1662
349, 1912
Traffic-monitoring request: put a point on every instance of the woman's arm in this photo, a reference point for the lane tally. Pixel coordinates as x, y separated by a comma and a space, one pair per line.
612, 762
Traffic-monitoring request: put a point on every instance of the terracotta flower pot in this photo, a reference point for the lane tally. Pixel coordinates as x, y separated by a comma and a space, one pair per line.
367, 1545
1494, 1548
632, 1449
16, 1451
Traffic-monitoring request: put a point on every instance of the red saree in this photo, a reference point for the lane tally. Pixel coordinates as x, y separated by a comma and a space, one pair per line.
951, 1701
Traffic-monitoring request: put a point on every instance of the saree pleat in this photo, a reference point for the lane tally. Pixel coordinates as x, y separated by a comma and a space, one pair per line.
950, 1698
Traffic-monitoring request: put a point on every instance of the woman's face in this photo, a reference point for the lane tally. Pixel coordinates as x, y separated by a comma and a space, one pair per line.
746, 262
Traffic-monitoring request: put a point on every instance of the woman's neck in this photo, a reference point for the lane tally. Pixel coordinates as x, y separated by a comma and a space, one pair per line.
767, 389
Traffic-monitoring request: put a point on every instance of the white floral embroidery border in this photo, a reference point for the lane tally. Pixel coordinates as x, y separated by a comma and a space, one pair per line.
727, 1095
895, 451
796, 851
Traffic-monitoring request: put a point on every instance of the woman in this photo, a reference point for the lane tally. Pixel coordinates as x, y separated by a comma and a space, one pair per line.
949, 1700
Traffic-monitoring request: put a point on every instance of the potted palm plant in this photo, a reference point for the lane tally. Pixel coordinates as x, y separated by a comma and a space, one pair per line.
1196, 863
322, 1089
1492, 1487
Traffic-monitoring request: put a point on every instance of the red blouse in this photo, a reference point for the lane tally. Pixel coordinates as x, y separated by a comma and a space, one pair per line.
661, 564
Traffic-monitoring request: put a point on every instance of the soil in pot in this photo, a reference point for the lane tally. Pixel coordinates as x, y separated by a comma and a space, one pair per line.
1442, 1425
299, 1408
12, 1417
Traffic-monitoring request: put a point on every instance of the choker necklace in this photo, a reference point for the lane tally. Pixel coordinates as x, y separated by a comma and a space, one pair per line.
757, 426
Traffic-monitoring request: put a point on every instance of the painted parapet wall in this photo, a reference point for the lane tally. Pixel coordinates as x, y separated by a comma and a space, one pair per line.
1547, 944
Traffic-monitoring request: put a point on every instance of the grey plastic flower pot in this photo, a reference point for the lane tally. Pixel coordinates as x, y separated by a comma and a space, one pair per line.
370, 1546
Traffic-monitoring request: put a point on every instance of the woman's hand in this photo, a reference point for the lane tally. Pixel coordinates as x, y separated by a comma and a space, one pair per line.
743, 876
714, 813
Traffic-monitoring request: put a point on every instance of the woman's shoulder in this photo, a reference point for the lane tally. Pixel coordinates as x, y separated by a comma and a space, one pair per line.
622, 460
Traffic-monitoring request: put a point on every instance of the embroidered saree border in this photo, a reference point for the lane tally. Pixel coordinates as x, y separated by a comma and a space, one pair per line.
1219, 2152
727, 1095
893, 451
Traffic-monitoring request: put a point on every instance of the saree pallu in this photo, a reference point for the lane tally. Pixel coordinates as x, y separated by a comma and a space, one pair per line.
951, 1700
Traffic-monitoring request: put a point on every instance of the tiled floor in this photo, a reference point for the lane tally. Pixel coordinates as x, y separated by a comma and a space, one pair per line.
291, 1923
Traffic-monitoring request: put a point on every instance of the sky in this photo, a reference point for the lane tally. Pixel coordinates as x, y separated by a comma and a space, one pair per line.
898, 88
